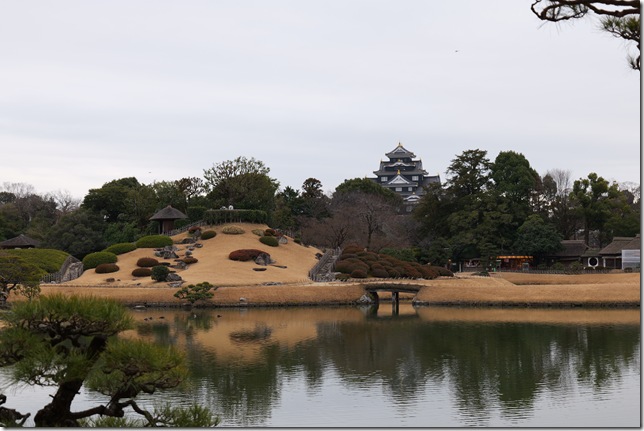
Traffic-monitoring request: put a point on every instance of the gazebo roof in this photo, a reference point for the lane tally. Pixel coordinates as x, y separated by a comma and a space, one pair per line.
168, 213
19, 241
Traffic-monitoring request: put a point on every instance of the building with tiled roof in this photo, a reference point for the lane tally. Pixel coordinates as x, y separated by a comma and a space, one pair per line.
622, 252
404, 175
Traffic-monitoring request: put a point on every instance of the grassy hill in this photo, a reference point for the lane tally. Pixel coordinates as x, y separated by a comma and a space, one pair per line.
292, 262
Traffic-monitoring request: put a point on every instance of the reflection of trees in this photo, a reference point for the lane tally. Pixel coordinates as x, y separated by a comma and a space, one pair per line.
484, 365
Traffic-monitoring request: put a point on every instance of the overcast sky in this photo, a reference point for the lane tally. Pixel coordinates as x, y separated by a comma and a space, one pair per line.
92, 91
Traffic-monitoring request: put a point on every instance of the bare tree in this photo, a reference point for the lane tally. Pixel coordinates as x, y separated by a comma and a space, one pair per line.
19, 190
65, 202
563, 181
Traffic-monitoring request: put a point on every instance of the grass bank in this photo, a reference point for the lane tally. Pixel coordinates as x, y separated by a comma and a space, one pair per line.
506, 289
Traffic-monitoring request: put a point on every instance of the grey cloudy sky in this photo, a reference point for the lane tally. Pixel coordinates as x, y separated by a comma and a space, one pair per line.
93, 91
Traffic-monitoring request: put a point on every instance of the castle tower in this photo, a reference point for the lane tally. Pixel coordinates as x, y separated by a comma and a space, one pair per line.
404, 175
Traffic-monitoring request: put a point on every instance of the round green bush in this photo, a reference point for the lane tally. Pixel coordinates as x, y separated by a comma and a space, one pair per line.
207, 234
190, 260
105, 268
92, 260
233, 230
120, 248
160, 273
142, 272
269, 240
154, 241
147, 262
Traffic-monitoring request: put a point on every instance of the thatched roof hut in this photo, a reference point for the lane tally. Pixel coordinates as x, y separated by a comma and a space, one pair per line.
166, 218
21, 241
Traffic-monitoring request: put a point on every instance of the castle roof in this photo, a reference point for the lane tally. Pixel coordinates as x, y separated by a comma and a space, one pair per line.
400, 152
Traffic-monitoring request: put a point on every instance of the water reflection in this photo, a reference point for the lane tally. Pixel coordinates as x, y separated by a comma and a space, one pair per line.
425, 367
456, 366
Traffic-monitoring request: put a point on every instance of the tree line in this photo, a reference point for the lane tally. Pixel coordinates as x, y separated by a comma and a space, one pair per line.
484, 208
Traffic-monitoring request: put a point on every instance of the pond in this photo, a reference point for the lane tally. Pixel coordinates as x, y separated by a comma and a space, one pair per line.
410, 367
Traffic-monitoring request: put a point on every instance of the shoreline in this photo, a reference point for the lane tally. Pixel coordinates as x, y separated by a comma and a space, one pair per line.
511, 290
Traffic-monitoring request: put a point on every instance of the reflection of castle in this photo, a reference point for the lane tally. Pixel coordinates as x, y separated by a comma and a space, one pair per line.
403, 175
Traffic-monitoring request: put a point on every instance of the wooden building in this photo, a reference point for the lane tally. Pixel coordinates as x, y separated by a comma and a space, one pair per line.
404, 175
613, 254
166, 218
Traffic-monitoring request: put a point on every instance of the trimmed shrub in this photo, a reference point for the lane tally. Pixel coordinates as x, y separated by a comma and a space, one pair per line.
195, 213
193, 229
428, 273
244, 255
160, 273
154, 241
344, 256
270, 232
347, 266
258, 232
269, 240
190, 260
142, 272
207, 234
393, 273
380, 272
359, 273
342, 277
233, 230
227, 216
120, 248
92, 260
443, 272
105, 268
406, 254
353, 248
48, 260
147, 262
368, 256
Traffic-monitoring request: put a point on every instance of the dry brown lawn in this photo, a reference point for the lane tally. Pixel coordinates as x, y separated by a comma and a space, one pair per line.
238, 284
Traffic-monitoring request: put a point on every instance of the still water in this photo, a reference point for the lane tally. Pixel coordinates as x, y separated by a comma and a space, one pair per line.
419, 367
